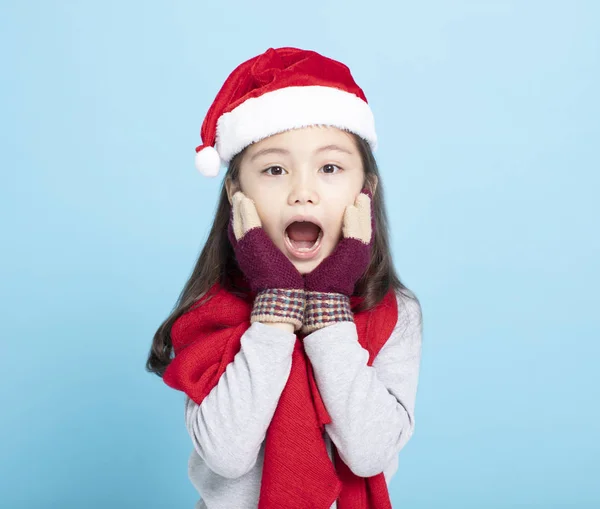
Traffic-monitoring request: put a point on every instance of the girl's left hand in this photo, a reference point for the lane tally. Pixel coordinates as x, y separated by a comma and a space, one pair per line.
339, 272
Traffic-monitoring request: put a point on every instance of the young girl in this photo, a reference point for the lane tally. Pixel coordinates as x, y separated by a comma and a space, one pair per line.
296, 345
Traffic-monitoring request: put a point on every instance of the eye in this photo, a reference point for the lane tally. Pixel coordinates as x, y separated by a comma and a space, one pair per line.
332, 166
271, 167
277, 168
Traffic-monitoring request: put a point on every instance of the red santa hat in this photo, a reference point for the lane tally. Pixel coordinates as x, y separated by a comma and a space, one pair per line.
281, 89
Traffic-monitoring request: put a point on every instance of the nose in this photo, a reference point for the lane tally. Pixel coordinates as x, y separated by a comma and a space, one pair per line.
303, 191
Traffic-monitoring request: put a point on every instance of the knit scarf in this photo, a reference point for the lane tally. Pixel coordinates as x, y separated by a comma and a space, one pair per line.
297, 471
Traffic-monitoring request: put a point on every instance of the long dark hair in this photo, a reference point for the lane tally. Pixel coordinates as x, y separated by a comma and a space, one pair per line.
217, 262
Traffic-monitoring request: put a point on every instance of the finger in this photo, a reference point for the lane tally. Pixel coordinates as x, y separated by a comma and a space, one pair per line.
363, 204
351, 227
362, 201
237, 217
249, 214
367, 191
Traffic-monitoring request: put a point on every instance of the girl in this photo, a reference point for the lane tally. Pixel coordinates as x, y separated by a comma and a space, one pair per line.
296, 345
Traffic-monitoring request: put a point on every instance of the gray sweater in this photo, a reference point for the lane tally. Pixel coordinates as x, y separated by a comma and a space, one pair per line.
371, 407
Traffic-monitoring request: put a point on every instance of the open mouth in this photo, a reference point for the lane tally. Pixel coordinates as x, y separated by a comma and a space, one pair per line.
303, 239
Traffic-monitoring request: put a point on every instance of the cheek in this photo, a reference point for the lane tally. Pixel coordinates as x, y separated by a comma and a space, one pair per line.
265, 213
269, 227
335, 219
268, 208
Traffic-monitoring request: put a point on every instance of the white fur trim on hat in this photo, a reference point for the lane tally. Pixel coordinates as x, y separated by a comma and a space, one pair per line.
292, 107
208, 162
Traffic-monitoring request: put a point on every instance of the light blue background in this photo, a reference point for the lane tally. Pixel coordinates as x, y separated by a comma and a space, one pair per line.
487, 114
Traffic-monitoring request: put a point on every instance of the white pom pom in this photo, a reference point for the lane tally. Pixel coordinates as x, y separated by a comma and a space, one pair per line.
208, 162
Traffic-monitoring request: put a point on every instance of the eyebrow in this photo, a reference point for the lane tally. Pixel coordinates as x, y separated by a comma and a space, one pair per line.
276, 150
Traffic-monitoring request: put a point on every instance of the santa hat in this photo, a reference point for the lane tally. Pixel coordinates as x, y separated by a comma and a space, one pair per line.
281, 89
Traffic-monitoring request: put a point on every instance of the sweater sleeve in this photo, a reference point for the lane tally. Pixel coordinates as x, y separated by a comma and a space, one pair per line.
229, 426
371, 407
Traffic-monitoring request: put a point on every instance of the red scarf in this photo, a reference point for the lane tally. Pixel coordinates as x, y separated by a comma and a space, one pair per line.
206, 339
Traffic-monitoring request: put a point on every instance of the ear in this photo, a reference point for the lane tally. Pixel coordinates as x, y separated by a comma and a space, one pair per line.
232, 188
371, 182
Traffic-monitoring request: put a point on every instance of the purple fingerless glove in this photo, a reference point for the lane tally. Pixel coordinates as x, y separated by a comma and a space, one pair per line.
331, 284
278, 285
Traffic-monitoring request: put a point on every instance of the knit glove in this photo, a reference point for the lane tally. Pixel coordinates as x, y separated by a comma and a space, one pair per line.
331, 284
278, 285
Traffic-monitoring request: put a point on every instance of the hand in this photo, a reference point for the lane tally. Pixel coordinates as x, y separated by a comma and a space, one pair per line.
340, 271
331, 284
278, 285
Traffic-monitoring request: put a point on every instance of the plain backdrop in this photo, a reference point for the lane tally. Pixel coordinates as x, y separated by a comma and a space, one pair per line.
488, 121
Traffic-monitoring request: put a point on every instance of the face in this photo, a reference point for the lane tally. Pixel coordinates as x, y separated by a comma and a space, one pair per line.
313, 171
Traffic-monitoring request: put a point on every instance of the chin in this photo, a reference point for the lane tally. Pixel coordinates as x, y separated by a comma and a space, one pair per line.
307, 266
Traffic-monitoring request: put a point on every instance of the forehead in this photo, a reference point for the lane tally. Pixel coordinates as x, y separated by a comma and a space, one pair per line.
305, 140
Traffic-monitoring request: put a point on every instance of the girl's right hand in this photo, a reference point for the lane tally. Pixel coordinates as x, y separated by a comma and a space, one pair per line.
278, 284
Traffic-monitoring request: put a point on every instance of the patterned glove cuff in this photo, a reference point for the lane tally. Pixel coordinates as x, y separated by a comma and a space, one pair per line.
325, 308
279, 305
